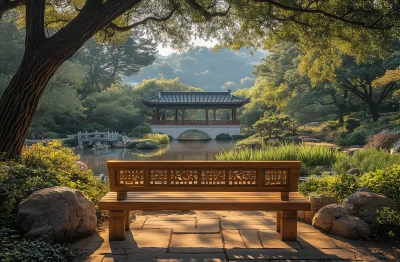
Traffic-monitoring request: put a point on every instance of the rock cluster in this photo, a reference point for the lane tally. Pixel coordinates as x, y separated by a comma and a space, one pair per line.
351, 219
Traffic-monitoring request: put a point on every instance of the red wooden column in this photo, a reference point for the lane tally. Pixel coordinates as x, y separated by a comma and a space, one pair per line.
233, 114
207, 116
156, 114
183, 116
215, 116
176, 116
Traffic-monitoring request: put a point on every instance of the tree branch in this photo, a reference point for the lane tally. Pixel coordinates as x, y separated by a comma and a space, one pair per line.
35, 23
204, 12
144, 21
342, 18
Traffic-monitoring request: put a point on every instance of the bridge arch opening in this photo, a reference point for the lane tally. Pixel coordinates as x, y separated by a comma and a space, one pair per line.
194, 134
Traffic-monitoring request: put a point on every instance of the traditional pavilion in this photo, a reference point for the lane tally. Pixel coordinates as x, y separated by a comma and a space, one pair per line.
178, 102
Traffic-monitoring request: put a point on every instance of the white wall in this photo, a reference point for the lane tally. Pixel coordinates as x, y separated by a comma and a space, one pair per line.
212, 131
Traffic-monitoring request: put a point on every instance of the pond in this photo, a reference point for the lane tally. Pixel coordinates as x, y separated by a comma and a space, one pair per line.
176, 150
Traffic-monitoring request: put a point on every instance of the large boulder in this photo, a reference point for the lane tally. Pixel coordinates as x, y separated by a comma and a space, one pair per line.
61, 213
365, 204
336, 220
317, 202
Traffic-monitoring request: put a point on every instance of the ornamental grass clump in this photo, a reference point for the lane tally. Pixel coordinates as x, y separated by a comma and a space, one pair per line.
161, 139
309, 155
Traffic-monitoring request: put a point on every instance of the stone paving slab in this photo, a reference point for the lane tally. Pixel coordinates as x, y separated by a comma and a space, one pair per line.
180, 225
201, 242
158, 238
288, 254
233, 239
170, 257
272, 239
250, 238
248, 223
315, 240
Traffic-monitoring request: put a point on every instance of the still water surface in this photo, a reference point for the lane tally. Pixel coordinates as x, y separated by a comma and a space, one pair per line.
176, 150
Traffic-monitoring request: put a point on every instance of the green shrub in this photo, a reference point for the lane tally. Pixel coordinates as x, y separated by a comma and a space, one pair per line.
330, 125
140, 131
50, 135
224, 136
17, 182
385, 182
71, 142
387, 225
355, 138
351, 123
66, 165
237, 137
337, 186
366, 160
14, 248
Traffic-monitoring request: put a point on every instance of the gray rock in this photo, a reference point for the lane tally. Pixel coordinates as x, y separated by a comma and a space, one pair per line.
351, 151
61, 213
117, 144
364, 189
365, 204
336, 220
317, 202
353, 171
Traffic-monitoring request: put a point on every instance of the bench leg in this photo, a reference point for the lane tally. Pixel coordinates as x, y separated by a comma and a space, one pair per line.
288, 225
127, 219
116, 224
278, 221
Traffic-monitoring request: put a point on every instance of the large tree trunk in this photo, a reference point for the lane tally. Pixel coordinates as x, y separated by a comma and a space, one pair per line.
374, 111
20, 100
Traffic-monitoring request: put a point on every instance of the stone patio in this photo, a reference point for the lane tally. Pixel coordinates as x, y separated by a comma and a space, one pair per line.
216, 236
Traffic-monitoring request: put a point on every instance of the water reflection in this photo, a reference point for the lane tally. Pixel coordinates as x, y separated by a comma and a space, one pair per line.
177, 150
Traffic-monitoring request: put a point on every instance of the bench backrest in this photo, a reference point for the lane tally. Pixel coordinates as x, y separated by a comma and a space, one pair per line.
250, 176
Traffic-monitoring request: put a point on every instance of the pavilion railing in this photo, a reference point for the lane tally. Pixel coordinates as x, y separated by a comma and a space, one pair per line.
194, 122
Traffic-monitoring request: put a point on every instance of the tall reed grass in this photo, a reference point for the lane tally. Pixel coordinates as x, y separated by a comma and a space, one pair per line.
159, 138
309, 155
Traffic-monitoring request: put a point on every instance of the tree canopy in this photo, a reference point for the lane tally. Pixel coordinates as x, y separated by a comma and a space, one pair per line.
56, 29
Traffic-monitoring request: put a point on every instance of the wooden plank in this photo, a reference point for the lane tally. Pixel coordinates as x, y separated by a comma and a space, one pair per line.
195, 188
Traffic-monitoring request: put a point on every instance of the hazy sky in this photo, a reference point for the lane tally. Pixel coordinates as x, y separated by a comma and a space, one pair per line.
164, 51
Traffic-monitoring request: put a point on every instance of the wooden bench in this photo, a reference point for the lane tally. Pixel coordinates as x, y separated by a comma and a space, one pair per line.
204, 185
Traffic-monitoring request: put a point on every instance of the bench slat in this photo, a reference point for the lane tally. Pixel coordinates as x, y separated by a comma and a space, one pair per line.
204, 201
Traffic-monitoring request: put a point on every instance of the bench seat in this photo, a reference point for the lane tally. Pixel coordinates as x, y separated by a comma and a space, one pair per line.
156, 200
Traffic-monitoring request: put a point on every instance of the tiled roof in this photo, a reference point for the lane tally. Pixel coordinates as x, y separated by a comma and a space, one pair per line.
220, 98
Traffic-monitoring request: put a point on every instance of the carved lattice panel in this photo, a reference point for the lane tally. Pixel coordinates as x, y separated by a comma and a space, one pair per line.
158, 177
213, 177
184, 177
131, 177
243, 177
275, 177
